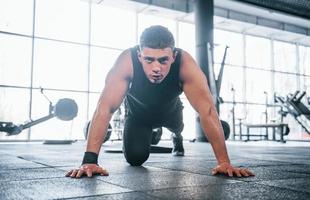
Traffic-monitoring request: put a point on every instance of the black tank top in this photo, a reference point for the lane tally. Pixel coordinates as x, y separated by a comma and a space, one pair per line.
146, 99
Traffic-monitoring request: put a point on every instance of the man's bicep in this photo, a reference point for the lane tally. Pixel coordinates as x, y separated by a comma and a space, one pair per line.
195, 85
116, 83
198, 94
114, 92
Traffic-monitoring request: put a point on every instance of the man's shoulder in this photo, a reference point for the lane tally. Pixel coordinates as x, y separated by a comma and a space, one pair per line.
123, 64
132, 51
185, 56
134, 48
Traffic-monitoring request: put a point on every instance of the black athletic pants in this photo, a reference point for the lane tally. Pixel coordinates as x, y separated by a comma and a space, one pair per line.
137, 134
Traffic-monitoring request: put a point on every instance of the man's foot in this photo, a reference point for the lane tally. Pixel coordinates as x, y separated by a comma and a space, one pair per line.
178, 149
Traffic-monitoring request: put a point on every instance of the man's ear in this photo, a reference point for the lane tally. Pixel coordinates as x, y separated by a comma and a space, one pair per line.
139, 55
175, 53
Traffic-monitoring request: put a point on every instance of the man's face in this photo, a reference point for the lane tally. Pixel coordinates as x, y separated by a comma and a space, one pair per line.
156, 62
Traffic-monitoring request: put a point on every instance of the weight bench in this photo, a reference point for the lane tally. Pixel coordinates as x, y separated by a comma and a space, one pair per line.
281, 127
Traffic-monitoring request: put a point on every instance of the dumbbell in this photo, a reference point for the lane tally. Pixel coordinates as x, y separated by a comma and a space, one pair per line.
107, 136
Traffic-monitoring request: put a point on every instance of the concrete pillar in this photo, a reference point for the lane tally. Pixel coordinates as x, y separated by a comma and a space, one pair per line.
204, 11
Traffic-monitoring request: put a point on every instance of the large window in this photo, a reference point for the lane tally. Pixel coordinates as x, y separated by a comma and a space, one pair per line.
307, 85
304, 60
75, 43
285, 57
102, 60
16, 16
15, 60
14, 108
258, 52
93, 100
186, 37
62, 20
258, 86
60, 65
232, 82
113, 27
235, 43
285, 83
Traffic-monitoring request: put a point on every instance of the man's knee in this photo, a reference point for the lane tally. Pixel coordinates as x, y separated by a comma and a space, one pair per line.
136, 157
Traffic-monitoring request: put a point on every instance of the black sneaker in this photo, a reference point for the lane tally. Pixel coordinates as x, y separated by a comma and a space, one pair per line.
178, 149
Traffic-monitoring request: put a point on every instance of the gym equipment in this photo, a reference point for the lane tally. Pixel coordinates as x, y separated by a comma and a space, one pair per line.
233, 112
226, 130
234, 119
107, 136
65, 109
266, 109
156, 135
280, 128
292, 105
153, 149
215, 84
59, 141
215, 87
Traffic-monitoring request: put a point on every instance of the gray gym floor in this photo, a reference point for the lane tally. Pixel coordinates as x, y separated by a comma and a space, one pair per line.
36, 171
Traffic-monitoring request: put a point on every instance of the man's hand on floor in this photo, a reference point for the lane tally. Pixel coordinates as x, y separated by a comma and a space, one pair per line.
226, 168
87, 169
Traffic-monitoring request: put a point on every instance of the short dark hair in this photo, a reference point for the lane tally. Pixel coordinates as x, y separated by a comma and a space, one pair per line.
156, 37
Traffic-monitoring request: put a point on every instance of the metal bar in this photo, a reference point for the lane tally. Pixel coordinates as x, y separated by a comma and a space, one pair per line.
32, 64
220, 76
37, 121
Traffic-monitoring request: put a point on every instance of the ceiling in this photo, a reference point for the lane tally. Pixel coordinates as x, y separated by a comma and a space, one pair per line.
300, 8
285, 20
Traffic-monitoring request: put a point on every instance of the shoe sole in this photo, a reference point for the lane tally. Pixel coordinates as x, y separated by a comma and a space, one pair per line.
178, 153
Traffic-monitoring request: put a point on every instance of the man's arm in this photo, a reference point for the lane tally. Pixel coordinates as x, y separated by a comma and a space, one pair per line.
195, 87
116, 86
